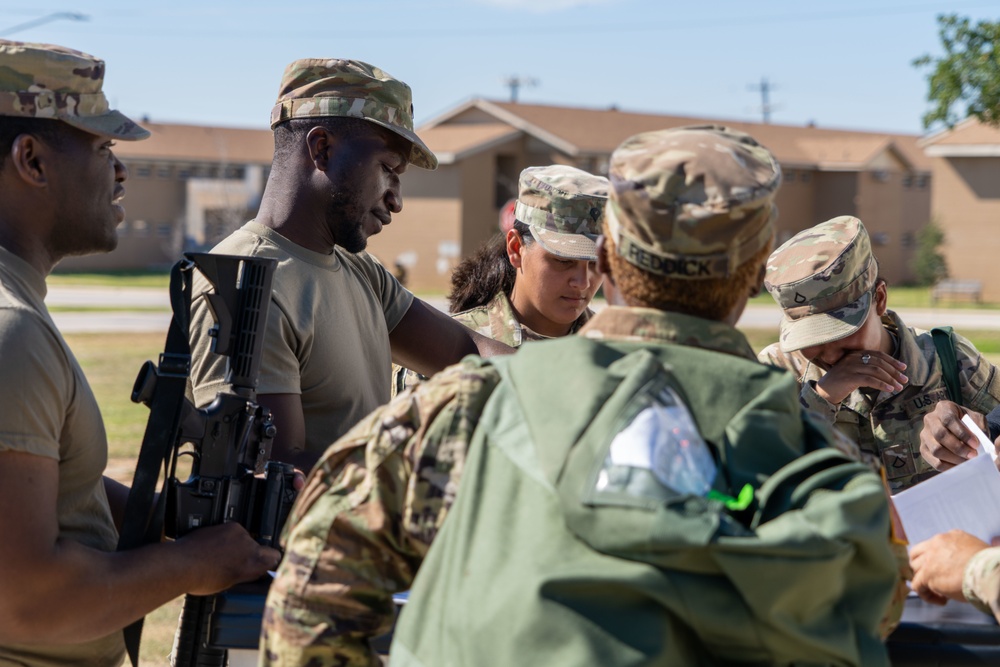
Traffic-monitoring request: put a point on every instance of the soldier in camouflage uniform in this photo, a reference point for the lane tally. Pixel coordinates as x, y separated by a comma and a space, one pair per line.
958, 566
542, 276
860, 366
687, 230
343, 136
65, 594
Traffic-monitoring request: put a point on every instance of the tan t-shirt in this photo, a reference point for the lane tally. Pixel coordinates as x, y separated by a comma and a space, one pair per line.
49, 410
327, 333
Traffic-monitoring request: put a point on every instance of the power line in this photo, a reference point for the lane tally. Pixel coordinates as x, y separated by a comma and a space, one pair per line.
672, 25
72, 16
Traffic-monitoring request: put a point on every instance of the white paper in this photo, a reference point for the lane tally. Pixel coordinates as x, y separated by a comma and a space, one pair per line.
965, 497
985, 445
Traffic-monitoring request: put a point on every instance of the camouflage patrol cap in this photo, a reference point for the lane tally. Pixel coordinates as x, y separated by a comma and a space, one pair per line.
53, 82
822, 278
324, 87
564, 207
691, 202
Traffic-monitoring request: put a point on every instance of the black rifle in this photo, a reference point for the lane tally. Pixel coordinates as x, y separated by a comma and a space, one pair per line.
228, 441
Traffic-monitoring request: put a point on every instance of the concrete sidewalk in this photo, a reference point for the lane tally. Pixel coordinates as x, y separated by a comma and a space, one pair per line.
755, 316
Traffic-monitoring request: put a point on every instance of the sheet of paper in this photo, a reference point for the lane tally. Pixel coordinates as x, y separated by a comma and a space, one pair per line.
985, 444
965, 497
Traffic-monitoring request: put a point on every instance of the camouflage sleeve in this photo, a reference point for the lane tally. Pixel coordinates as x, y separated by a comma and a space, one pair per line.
772, 355
978, 377
403, 379
981, 581
365, 519
811, 400
808, 396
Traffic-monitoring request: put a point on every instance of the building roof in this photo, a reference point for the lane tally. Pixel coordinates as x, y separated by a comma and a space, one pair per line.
198, 143
969, 138
592, 132
451, 143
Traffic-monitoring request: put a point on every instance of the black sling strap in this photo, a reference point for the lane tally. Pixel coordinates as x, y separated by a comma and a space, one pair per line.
142, 522
944, 341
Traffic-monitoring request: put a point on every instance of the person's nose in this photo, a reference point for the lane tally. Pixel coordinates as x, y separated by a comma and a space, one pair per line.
121, 171
580, 279
394, 198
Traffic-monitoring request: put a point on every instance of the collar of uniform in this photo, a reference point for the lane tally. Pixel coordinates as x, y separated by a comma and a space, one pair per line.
21, 271
504, 325
330, 261
911, 353
506, 328
649, 325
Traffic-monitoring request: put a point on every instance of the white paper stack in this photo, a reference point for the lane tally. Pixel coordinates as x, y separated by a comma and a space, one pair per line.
966, 497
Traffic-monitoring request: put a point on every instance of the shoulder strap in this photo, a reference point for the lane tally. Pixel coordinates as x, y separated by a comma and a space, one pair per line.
944, 341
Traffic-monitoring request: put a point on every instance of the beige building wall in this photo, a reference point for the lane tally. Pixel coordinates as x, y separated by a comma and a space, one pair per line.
965, 196
422, 234
795, 202
151, 235
880, 207
836, 194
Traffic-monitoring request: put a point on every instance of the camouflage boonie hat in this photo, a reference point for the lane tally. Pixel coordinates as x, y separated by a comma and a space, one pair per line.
564, 207
822, 278
323, 87
49, 81
692, 202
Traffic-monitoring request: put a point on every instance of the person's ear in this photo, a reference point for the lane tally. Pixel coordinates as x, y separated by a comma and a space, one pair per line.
29, 159
320, 143
881, 299
515, 248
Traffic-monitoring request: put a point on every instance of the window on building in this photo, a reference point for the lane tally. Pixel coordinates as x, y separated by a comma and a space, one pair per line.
908, 239
923, 180
805, 176
164, 230
140, 228
880, 238
907, 181
236, 173
184, 172
789, 176
164, 172
141, 171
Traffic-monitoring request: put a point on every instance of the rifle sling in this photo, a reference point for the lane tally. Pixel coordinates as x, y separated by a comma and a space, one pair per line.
944, 342
142, 523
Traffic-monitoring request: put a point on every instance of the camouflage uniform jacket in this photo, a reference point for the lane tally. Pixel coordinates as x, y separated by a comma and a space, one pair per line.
981, 582
372, 505
494, 320
889, 425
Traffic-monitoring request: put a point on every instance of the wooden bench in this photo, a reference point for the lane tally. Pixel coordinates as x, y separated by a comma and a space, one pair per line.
971, 290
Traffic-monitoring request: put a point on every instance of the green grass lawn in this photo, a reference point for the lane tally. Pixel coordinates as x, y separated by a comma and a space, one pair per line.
111, 279
907, 297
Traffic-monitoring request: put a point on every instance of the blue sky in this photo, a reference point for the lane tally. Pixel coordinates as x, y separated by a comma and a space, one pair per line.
840, 65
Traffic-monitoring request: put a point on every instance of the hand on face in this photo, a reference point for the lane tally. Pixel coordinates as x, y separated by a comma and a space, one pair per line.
861, 368
939, 565
944, 440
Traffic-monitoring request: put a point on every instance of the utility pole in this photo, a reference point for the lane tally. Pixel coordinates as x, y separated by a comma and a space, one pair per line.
765, 98
72, 16
515, 82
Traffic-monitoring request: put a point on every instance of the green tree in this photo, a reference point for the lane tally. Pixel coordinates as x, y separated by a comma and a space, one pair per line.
967, 73
928, 264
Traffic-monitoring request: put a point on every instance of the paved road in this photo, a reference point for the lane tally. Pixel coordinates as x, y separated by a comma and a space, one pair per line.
755, 317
